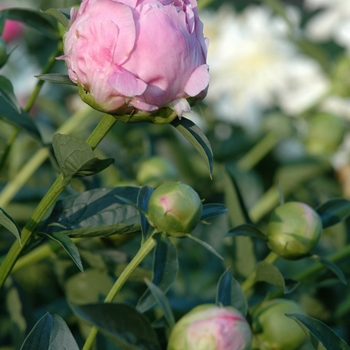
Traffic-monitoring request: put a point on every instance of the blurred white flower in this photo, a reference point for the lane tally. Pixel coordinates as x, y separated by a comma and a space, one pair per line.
255, 66
333, 22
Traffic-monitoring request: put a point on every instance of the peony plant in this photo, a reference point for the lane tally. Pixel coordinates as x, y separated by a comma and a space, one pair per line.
129, 56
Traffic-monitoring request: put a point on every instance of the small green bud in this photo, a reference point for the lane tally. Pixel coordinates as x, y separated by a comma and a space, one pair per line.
174, 208
209, 327
273, 330
3, 52
326, 132
293, 230
154, 171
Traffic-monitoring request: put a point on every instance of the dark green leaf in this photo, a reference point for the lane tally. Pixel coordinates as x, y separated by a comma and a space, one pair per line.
333, 211
162, 302
234, 200
10, 224
212, 210
94, 166
6, 91
39, 336
61, 337
76, 158
246, 230
266, 272
165, 268
121, 322
196, 137
142, 203
56, 78
10, 113
94, 213
2, 21
321, 336
68, 245
331, 266
35, 19
229, 293
58, 15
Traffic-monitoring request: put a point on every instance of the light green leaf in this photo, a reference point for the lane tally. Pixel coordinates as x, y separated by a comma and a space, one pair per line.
58, 15
10, 224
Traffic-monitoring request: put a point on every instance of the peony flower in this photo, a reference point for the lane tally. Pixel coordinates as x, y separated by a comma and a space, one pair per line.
332, 22
128, 55
254, 66
209, 327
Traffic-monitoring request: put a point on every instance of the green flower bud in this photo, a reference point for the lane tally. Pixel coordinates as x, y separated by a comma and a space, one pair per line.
156, 170
273, 330
294, 229
3, 52
209, 327
174, 208
320, 140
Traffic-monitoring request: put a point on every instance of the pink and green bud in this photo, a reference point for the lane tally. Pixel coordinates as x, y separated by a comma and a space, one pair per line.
273, 330
293, 230
209, 327
174, 208
156, 170
136, 57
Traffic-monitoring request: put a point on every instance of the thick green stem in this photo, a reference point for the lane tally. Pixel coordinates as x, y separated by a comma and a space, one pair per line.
59, 185
145, 249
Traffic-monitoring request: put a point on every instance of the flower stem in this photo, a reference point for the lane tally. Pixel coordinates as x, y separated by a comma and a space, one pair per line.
58, 186
251, 280
145, 249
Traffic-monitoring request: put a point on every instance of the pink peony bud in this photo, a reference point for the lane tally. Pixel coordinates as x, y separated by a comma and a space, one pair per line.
211, 327
12, 30
137, 55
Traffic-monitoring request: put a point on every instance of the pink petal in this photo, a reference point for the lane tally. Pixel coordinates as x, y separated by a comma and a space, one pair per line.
126, 83
198, 81
180, 106
143, 106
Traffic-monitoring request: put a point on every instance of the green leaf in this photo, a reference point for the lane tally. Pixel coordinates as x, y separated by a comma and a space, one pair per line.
234, 200
331, 266
39, 336
230, 293
197, 139
67, 244
94, 166
61, 337
162, 302
127, 327
246, 230
321, 336
333, 211
266, 272
6, 91
76, 158
212, 210
10, 224
50, 333
56, 78
58, 15
142, 203
10, 113
204, 244
35, 19
165, 269
94, 213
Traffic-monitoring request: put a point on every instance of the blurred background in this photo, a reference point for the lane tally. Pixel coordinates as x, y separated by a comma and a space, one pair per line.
277, 116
